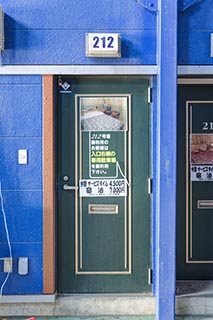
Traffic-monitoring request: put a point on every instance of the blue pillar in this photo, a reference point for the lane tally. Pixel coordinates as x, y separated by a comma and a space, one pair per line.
165, 184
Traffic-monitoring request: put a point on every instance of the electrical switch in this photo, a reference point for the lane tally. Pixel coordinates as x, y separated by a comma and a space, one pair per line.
23, 266
22, 156
8, 265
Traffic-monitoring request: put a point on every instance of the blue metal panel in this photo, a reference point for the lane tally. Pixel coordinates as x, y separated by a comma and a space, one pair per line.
199, 17
20, 110
16, 176
166, 161
195, 26
194, 48
53, 32
77, 15
65, 47
27, 284
21, 128
23, 211
20, 79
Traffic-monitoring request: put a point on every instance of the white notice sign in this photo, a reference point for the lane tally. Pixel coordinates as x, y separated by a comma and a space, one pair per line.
202, 172
103, 188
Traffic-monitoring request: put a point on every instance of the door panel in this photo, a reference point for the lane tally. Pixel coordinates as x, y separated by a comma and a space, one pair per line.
195, 183
103, 167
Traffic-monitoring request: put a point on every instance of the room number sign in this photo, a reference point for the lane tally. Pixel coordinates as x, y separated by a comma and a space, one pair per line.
103, 45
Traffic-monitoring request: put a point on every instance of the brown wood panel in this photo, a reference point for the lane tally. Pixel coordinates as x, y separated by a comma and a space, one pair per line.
48, 187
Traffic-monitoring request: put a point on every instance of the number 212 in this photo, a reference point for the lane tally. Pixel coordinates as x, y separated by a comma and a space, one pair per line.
104, 42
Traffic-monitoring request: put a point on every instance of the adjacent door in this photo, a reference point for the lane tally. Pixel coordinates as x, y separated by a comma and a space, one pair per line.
103, 170
195, 183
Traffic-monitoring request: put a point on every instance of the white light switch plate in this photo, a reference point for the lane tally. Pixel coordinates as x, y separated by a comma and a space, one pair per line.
23, 266
22, 156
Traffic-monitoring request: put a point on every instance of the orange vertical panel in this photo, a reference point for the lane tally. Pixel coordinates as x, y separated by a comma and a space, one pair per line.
48, 187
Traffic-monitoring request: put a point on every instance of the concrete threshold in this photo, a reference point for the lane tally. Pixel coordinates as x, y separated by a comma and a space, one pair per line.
194, 306
194, 298
83, 305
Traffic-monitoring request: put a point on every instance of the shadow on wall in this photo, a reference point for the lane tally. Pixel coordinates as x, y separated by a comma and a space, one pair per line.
18, 36
184, 5
188, 38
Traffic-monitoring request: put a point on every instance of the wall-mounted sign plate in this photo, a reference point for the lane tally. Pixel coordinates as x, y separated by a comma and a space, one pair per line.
103, 45
211, 45
1, 29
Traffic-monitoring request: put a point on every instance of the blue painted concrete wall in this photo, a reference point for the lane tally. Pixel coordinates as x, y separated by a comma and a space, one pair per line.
53, 31
195, 27
21, 128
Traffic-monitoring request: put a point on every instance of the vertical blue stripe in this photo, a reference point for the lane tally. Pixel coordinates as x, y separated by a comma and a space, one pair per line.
166, 160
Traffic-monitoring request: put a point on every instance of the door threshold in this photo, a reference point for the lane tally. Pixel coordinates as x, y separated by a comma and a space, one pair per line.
86, 305
104, 295
194, 298
29, 298
194, 288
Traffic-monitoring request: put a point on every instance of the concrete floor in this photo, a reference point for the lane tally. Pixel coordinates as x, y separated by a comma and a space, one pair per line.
194, 301
91, 306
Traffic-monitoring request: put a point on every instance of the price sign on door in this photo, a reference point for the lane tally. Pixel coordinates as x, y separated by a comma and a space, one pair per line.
103, 45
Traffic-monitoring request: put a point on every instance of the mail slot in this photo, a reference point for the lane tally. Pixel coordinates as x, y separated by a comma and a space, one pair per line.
205, 204
103, 209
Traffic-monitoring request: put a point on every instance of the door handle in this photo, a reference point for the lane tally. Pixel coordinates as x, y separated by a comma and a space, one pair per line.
69, 188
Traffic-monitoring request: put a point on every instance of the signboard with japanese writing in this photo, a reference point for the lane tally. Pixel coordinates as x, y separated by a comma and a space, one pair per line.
104, 139
201, 157
104, 153
103, 188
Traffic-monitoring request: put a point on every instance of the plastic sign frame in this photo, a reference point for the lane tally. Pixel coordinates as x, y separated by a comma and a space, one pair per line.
211, 46
101, 45
1, 29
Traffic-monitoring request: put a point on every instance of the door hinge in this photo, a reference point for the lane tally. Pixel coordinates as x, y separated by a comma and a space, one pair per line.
149, 95
149, 276
149, 186
59, 82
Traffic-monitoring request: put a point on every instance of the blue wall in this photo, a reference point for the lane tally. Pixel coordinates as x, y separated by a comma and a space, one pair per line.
53, 31
195, 27
21, 128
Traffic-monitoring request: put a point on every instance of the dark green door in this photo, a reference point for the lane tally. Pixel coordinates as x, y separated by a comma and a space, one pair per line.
103, 170
195, 183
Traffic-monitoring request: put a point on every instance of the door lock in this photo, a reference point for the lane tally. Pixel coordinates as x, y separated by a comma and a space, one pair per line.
69, 188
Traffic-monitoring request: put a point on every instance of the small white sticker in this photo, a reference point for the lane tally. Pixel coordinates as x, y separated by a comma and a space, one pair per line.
103, 188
